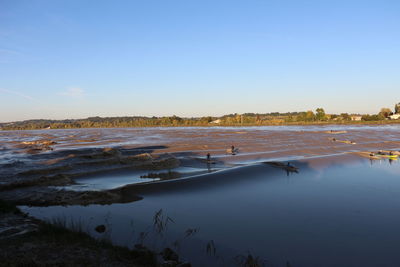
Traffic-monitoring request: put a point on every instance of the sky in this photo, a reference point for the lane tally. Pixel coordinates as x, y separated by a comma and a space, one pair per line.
80, 58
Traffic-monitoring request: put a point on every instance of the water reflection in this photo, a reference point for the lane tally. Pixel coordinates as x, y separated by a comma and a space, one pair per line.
162, 175
347, 217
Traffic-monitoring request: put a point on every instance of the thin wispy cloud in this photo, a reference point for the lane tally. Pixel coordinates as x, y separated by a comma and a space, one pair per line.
9, 52
74, 92
18, 94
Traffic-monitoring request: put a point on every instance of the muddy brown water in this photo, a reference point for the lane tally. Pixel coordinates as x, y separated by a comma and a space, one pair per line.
253, 142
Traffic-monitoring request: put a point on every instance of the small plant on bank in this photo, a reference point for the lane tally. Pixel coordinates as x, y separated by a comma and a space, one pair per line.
211, 249
249, 260
160, 222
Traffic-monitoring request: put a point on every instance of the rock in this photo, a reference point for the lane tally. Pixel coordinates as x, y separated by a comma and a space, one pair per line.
100, 228
111, 152
166, 161
169, 255
42, 142
135, 159
56, 180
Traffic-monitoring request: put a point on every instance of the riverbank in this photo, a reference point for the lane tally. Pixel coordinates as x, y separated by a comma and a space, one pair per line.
26, 241
84, 124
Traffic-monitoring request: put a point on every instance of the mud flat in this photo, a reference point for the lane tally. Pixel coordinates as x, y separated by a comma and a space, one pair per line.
254, 142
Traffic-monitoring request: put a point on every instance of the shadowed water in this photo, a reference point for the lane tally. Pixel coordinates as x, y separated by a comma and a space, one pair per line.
336, 211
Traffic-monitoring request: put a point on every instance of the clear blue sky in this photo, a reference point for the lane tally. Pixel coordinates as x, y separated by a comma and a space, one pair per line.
74, 59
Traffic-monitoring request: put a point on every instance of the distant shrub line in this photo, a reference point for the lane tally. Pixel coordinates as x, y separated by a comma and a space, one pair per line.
247, 119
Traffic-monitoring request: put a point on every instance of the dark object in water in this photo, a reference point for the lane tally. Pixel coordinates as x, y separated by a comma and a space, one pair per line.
281, 165
162, 175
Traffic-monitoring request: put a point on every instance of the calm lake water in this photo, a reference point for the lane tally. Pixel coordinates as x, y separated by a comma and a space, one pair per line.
337, 211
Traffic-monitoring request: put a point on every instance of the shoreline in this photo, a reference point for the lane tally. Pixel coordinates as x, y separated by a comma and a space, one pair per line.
305, 124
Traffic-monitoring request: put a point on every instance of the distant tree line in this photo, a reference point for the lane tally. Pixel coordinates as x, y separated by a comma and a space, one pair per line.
246, 119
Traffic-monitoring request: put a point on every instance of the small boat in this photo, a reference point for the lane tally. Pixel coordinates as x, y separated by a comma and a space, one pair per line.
386, 154
390, 156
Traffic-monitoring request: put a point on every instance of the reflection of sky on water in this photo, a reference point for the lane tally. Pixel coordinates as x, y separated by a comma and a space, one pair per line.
338, 215
111, 180
382, 165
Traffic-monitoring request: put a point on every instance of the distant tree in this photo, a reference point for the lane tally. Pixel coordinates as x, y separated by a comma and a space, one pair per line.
397, 108
206, 119
366, 117
310, 116
289, 118
334, 116
345, 116
385, 112
320, 114
238, 118
376, 117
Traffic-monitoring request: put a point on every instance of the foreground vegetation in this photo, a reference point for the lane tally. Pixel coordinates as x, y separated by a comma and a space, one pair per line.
52, 245
247, 119
55, 245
